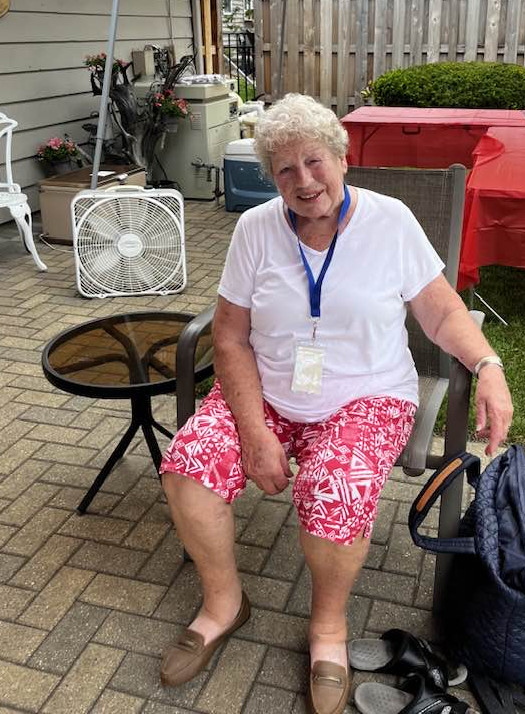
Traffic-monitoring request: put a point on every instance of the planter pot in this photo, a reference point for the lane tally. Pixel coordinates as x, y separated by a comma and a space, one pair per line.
170, 125
57, 168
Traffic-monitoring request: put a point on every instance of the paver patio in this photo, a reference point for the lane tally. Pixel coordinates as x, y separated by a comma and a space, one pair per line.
87, 604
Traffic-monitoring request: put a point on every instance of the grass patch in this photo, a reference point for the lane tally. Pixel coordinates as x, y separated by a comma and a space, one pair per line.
202, 388
246, 91
504, 289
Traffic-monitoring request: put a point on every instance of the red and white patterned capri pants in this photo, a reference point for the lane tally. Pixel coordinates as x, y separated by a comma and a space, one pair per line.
343, 461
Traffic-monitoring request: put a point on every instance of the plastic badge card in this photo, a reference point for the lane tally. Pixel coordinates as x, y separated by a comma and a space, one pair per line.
308, 368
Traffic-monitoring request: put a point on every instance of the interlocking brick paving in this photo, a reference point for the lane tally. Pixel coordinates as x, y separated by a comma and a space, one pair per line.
88, 603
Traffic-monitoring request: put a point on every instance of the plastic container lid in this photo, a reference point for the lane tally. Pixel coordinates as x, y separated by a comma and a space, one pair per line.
240, 147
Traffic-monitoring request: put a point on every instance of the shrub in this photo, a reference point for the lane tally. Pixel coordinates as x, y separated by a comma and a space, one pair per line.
475, 85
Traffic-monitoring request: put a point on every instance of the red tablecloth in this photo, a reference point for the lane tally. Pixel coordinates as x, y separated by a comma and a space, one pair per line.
494, 223
424, 138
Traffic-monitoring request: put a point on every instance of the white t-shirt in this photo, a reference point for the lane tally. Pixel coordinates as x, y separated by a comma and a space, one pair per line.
382, 259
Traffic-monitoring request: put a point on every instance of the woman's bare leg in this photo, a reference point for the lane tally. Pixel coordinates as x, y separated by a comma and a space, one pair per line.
205, 526
334, 569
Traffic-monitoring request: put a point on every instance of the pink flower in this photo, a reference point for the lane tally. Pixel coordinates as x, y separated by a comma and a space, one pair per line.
56, 149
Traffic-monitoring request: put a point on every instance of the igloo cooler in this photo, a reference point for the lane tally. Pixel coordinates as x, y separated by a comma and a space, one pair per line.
245, 184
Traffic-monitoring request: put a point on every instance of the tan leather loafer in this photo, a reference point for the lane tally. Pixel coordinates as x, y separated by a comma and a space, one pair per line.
330, 686
188, 655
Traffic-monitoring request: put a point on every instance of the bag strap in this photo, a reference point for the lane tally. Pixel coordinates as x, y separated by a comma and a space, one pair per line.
434, 487
493, 697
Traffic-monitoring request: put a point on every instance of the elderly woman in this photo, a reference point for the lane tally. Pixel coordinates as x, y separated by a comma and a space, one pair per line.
312, 361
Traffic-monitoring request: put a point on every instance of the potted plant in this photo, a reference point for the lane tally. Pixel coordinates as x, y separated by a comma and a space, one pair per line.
97, 65
170, 108
59, 156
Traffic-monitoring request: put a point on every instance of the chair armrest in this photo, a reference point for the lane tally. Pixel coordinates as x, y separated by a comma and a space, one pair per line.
460, 383
478, 317
416, 456
185, 363
456, 436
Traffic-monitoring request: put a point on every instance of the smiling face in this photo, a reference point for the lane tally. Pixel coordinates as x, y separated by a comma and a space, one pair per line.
309, 178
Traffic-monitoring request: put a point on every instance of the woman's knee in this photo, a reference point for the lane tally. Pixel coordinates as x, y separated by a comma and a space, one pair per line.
188, 493
178, 488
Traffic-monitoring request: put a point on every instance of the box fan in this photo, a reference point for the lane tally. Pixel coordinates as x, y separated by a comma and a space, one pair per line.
128, 240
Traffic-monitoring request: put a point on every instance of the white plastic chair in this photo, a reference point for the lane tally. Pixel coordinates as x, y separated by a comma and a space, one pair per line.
11, 196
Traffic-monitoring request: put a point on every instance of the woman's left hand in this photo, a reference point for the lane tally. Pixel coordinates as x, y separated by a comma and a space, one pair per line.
493, 407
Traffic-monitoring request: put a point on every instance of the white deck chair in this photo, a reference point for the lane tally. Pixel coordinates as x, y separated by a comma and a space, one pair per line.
11, 196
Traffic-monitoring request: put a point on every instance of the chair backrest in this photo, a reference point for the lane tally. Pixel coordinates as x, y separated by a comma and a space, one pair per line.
6, 136
436, 197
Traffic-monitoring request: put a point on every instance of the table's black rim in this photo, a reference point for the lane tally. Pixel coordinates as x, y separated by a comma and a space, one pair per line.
84, 389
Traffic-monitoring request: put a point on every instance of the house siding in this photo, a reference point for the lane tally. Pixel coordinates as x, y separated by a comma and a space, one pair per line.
233, 15
43, 83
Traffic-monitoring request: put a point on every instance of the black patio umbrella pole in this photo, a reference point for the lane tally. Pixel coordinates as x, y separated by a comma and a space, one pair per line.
103, 113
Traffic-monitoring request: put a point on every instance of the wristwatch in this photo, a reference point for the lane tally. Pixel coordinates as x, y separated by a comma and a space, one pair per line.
491, 359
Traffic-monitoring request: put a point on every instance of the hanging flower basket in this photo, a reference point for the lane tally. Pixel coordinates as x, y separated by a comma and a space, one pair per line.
170, 109
97, 66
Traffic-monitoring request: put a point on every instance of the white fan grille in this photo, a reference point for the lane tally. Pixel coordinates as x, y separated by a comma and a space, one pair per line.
129, 243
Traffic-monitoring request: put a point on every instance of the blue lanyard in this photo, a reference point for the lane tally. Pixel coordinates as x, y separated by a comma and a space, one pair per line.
314, 286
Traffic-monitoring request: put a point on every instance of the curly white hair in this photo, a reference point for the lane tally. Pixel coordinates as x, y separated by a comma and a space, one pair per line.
297, 117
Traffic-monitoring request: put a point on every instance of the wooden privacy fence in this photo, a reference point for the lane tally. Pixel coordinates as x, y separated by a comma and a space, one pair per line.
331, 49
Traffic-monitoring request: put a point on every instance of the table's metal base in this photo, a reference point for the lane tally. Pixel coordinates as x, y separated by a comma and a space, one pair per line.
141, 417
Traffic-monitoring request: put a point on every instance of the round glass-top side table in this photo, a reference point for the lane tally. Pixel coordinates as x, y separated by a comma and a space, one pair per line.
128, 356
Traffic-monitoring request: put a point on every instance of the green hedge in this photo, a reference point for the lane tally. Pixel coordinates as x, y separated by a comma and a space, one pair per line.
475, 85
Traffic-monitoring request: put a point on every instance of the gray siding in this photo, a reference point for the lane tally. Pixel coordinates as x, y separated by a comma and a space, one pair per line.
43, 83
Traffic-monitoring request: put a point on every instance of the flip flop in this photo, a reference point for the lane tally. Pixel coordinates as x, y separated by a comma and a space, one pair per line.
416, 696
399, 652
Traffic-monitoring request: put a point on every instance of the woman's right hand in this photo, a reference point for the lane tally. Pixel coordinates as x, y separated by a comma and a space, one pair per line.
264, 461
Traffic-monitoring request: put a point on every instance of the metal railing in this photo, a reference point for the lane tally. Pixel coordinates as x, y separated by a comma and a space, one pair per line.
238, 48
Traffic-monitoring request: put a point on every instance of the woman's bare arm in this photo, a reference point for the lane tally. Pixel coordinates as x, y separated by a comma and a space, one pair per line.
446, 321
264, 460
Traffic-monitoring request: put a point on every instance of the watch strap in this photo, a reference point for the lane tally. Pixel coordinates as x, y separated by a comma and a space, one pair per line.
491, 359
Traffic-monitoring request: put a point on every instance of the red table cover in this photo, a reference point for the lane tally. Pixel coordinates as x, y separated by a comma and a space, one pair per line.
494, 223
423, 138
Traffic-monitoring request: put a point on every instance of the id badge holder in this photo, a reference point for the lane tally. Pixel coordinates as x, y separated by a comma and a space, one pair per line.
308, 367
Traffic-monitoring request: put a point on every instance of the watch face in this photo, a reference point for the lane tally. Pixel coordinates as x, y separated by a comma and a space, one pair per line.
4, 6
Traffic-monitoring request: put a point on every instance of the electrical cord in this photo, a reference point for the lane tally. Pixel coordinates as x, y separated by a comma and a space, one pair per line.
53, 246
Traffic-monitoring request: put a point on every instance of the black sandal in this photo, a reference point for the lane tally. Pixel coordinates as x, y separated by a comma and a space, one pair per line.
417, 696
399, 652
